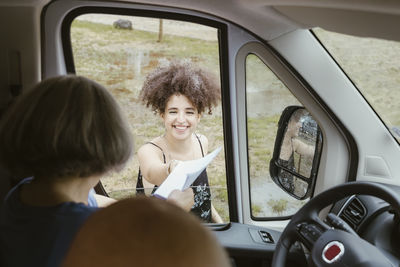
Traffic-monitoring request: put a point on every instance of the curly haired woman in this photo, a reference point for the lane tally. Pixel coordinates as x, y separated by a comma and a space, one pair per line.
179, 93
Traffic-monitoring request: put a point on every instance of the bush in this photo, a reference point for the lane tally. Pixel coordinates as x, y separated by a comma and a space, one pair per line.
278, 206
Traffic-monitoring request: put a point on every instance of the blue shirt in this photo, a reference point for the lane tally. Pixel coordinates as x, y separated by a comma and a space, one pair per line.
39, 236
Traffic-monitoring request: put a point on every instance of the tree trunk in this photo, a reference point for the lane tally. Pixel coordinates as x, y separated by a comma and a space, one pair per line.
160, 31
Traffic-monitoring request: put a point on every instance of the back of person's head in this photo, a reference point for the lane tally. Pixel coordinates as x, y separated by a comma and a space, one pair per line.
64, 126
145, 232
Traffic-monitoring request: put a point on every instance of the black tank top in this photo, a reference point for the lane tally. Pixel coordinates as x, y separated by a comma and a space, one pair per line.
201, 190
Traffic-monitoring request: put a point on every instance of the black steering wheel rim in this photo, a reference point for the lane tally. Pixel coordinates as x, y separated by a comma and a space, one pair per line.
312, 208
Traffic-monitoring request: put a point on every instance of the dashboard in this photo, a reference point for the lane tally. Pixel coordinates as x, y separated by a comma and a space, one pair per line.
371, 218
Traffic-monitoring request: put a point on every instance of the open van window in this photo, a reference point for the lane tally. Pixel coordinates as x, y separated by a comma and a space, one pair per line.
119, 52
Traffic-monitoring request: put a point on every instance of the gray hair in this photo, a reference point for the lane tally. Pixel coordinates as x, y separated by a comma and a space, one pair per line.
64, 126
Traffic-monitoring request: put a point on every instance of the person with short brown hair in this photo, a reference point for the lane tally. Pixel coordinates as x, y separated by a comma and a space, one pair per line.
65, 126
64, 134
145, 232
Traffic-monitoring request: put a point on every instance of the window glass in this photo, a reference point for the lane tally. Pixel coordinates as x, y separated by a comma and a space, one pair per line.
374, 67
118, 52
266, 98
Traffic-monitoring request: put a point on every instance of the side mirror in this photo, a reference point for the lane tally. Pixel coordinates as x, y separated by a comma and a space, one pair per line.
297, 150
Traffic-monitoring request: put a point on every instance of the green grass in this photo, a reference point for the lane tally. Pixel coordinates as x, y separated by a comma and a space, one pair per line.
121, 194
373, 66
172, 47
256, 210
261, 137
111, 33
278, 206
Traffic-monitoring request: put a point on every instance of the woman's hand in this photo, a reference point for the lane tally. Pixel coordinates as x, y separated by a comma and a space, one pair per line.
103, 201
172, 164
183, 199
216, 218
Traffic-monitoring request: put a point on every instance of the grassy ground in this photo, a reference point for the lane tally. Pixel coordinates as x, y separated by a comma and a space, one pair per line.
374, 67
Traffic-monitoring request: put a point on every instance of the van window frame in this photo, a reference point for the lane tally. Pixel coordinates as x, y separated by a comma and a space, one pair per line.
224, 75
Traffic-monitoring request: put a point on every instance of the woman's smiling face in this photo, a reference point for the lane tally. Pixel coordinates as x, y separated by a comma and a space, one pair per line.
180, 117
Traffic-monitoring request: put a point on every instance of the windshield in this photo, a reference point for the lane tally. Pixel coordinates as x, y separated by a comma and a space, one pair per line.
374, 67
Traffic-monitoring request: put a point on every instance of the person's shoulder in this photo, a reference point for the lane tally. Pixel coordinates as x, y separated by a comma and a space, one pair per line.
204, 142
203, 139
74, 212
154, 146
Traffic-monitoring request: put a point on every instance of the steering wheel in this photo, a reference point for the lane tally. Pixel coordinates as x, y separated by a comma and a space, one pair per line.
334, 246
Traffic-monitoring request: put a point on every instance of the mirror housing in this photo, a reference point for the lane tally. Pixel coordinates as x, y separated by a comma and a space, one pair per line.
297, 151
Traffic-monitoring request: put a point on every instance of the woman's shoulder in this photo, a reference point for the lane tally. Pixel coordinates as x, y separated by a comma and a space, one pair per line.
154, 146
203, 141
201, 137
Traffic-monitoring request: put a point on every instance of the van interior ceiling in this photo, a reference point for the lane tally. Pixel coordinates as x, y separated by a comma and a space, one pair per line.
21, 61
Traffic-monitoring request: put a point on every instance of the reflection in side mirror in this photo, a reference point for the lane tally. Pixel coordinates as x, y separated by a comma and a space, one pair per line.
296, 153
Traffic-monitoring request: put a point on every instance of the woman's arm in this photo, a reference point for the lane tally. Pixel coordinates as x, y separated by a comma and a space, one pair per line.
215, 215
103, 201
153, 169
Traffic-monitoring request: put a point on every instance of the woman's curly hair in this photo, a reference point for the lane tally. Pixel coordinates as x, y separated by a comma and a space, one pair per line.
199, 86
